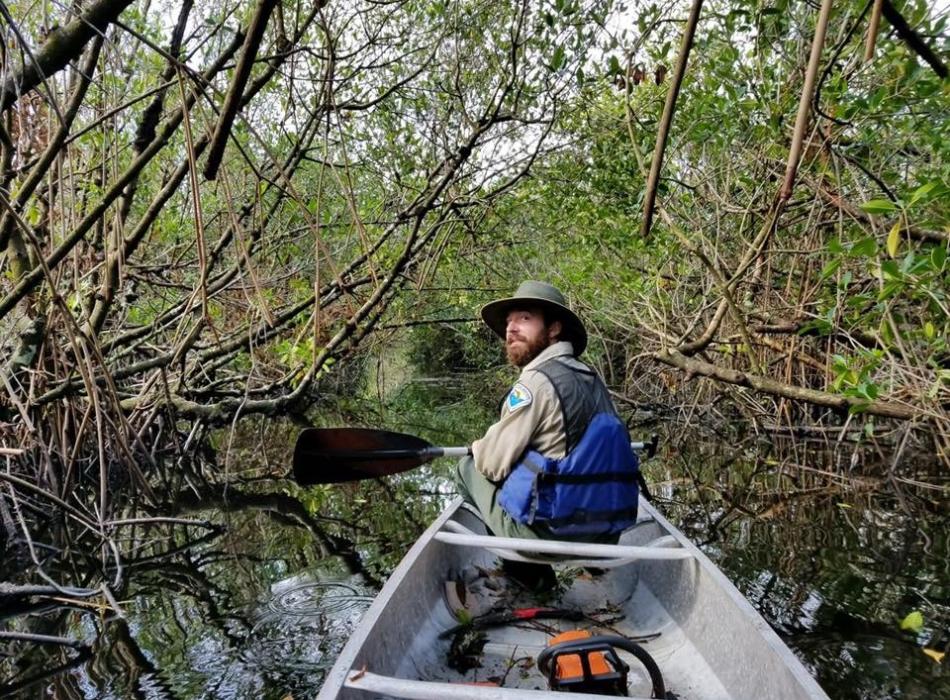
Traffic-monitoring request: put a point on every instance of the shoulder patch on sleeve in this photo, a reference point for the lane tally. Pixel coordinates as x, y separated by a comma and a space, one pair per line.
518, 397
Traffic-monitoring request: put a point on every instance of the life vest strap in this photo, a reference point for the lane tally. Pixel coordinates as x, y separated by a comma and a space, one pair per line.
583, 517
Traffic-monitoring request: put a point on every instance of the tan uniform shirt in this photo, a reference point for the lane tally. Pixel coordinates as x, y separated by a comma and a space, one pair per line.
531, 416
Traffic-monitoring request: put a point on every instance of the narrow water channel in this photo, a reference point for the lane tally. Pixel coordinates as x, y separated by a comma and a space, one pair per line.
260, 606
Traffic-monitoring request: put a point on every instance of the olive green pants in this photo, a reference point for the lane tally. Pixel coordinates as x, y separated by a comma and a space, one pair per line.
477, 490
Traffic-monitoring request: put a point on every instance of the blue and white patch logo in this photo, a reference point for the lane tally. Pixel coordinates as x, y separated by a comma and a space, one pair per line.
519, 397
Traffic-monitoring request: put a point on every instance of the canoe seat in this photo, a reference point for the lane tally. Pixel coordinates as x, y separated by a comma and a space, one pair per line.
581, 554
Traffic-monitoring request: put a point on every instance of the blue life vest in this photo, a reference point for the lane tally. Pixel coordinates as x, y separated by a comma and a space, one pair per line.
593, 490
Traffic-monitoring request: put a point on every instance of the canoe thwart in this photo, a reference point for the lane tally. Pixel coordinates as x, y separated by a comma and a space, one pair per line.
506, 545
598, 562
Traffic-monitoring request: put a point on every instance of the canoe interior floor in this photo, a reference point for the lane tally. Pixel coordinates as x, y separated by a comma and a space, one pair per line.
509, 652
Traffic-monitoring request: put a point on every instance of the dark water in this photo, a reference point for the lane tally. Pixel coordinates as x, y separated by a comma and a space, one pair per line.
261, 608
835, 579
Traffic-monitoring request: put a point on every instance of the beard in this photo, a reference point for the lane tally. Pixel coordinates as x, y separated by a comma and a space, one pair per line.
523, 350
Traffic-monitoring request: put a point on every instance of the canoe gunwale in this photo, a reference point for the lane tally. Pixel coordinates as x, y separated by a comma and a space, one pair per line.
433, 690
744, 607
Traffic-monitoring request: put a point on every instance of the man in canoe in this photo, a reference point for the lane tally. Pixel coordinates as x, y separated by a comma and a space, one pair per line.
558, 463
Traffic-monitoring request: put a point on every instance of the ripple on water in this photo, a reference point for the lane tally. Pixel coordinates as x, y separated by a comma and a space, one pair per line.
315, 598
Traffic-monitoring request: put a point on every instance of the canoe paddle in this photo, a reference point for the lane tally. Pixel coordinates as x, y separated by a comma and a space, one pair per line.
335, 455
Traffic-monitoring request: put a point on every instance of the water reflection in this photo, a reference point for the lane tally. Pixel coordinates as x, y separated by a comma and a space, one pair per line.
257, 607
174, 645
261, 605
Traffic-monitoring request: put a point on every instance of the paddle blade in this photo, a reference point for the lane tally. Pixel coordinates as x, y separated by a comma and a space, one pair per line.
333, 455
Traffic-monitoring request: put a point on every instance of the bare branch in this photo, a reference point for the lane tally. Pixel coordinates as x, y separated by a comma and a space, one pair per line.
63, 45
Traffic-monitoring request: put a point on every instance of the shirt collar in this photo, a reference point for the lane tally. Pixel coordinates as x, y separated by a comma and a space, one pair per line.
561, 348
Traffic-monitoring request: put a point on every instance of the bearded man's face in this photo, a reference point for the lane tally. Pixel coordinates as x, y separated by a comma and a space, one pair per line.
527, 335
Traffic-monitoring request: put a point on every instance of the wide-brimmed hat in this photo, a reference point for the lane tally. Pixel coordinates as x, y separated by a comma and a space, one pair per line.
541, 294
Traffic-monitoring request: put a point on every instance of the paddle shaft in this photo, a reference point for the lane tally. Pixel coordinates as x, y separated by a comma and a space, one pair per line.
333, 455
451, 451
425, 454
433, 452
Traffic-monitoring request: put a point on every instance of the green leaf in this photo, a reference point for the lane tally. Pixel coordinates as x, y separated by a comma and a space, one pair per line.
909, 262
557, 61
890, 288
868, 390
830, 269
927, 191
938, 257
866, 248
819, 325
889, 269
884, 330
879, 206
914, 622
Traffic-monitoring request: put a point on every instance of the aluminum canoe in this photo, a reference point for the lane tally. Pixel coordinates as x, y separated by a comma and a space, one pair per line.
654, 585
